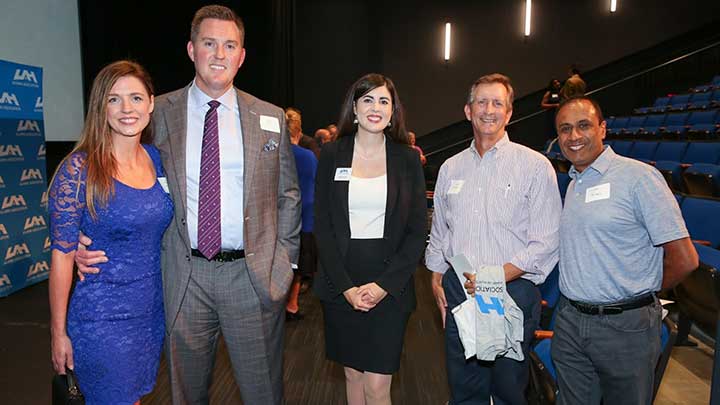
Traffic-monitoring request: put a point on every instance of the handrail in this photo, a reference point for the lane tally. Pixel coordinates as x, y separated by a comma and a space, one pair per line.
624, 79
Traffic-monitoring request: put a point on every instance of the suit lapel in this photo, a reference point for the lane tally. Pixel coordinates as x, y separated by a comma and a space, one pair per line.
176, 121
344, 159
250, 123
395, 173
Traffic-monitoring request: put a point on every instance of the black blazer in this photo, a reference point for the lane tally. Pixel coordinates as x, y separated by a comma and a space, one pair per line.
405, 222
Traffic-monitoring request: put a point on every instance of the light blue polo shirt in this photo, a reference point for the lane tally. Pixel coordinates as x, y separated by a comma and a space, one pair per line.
617, 213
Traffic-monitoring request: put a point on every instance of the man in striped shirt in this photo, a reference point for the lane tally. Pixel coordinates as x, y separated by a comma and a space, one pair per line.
497, 203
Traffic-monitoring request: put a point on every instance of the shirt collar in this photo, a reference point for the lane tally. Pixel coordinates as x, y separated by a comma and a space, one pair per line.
600, 165
199, 99
499, 145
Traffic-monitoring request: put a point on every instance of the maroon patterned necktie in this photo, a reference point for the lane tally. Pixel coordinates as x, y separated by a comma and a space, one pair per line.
209, 194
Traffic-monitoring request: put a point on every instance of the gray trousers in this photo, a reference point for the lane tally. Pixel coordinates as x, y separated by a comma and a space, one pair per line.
615, 353
221, 298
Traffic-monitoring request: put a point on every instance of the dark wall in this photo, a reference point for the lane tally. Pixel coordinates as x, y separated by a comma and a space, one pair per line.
404, 40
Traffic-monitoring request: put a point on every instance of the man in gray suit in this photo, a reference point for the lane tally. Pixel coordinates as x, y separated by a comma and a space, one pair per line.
225, 269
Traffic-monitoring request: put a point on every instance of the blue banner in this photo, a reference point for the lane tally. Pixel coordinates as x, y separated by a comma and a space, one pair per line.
24, 236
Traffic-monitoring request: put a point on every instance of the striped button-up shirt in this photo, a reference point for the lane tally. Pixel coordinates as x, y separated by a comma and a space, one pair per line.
503, 207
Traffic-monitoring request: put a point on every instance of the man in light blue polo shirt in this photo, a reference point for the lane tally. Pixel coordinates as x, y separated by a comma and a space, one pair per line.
622, 239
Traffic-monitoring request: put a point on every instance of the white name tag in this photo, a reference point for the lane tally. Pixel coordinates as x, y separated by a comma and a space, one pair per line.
343, 173
601, 192
456, 186
268, 123
164, 184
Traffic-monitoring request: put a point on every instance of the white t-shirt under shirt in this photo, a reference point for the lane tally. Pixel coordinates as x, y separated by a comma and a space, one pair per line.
366, 206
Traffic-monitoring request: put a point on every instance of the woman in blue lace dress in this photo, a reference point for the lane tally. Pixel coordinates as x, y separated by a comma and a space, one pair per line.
111, 189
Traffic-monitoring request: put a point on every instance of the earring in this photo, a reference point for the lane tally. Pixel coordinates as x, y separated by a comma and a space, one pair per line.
389, 124
355, 121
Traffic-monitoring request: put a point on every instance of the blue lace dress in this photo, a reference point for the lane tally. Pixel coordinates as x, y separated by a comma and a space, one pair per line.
115, 318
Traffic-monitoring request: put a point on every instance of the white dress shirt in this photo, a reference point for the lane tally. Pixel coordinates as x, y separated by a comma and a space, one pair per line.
231, 165
503, 207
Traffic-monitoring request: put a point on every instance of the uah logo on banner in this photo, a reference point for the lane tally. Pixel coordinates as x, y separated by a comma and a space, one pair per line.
25, 78
41, 152
11, 153
38, 269
3, 232
13, 203
28, 128
17, 252
9, 101
34, 223
5, 283
44, 200
39, 105
31, 176
2, 182
47, 244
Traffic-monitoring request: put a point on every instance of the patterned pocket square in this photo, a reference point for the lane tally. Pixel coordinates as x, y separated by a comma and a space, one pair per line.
270, 145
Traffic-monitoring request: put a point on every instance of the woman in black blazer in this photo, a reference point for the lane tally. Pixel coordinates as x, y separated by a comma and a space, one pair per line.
370, 225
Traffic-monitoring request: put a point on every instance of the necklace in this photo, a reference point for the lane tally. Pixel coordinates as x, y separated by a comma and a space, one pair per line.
377, 154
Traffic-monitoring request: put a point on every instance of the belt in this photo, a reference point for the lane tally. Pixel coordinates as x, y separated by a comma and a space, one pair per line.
613, 309
222, 256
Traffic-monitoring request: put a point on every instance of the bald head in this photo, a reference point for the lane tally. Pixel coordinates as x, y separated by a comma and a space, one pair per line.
323, 135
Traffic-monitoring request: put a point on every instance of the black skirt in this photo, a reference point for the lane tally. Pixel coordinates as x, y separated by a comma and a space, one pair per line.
366, 341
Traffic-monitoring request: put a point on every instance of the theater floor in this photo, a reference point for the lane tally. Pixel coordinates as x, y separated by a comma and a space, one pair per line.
25, 370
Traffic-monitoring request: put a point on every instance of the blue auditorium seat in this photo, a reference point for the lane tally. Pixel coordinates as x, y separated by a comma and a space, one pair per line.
617, 124
701, 216
703, 124
670, 151
699, 101
622, 147
674, 126
644, 151
715, 99
659, 105
716, 81
702, 179
678, 102
563, 180
634, 125
651, 126
702, 152
550, 288
672, 172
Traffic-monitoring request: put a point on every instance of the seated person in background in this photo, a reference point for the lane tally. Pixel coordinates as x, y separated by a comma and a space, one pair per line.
411, 137
574, 86
551, 98
306, 165
322, 136
293, 118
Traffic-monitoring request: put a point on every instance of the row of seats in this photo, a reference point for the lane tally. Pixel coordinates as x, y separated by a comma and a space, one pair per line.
695, 125
713, 85
682, 102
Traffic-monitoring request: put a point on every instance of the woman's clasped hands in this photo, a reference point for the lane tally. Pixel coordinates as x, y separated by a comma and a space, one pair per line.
365, 297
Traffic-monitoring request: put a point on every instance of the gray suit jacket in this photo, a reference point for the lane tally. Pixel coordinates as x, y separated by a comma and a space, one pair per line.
271, 200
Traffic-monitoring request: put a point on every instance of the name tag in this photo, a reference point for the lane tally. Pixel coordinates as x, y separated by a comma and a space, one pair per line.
343, 173
601, 192
456, 186
164, 184
268, 123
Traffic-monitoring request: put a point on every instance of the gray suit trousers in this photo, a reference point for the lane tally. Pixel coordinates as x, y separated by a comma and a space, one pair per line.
221, 298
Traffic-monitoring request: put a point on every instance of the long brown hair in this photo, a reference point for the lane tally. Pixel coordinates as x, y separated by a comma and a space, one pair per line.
363, 86
95, 140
